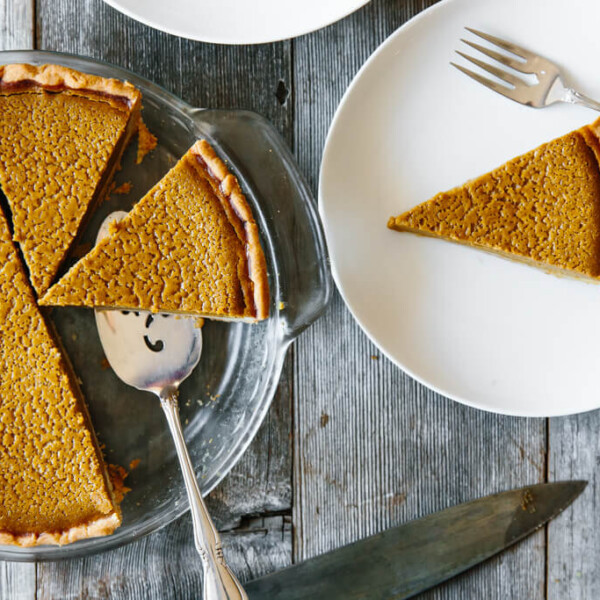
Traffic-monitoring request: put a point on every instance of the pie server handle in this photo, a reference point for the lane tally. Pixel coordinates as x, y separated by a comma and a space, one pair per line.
219, 583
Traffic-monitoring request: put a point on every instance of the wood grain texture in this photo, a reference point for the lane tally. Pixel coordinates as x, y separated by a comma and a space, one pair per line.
573, 539
204, 75
372, 447
377, 454
16, 24
261, 482
166, 565
209, 76
17, 581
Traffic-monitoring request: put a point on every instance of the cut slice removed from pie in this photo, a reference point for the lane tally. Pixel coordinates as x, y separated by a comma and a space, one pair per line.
190, 245
54, 487
62, 134
541, 208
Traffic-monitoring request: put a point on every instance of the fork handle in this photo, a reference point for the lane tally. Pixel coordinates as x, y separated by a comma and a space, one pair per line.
575, 97
219, 583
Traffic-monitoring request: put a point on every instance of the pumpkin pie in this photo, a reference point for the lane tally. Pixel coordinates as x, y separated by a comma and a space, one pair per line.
62, 134
191, 245
54, 487
541, 208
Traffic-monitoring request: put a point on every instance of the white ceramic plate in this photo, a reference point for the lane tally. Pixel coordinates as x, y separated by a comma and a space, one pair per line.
237, 21
479, 329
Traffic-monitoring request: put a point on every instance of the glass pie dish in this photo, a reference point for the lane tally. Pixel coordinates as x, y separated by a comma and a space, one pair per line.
225, 399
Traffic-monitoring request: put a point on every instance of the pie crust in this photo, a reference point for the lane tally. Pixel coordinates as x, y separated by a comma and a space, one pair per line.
226, 186
56, 78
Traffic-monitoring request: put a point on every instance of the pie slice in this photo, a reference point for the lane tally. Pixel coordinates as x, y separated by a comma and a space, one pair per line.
541, 208
191, 245
62, 134
54, 487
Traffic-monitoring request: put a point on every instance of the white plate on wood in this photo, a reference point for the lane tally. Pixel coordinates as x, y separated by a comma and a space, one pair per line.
237, 21
480, 329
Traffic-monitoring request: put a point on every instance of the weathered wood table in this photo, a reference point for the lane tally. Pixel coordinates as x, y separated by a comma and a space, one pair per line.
351, 445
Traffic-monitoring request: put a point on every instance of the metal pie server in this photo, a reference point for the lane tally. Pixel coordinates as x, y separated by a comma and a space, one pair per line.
413, 557
155, 353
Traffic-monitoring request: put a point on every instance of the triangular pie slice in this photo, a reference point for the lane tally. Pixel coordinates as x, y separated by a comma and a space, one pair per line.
54, 487
541, 208
191, 245
62, 134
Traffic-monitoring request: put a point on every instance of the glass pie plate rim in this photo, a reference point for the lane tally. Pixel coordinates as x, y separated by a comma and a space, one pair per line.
300, 290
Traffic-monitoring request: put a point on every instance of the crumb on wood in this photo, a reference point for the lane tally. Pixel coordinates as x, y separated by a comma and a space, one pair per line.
74, 336
324, 419
374, 357
146, 142
281, 305
134, 463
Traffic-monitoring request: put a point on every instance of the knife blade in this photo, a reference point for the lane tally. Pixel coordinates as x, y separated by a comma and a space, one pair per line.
408, 559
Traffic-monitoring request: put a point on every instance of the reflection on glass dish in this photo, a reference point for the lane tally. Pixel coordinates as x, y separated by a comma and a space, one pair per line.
225, 399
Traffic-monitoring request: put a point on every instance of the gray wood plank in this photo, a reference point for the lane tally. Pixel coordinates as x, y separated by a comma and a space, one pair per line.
387, 450
209, 76
204, 75
372, 447
17, 580
261, 482
16, 24
573, 539
166, 565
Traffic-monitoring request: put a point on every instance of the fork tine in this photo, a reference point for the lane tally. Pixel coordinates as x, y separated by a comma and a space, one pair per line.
513, 63
499, 73
508, 46
497, 87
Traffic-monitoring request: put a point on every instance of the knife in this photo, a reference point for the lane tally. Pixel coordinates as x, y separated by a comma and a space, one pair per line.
405, 560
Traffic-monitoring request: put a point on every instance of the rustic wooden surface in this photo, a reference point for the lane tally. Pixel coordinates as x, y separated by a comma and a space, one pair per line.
351, 445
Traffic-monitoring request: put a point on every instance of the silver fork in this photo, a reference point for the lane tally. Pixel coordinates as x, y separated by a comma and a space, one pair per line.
550, 86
